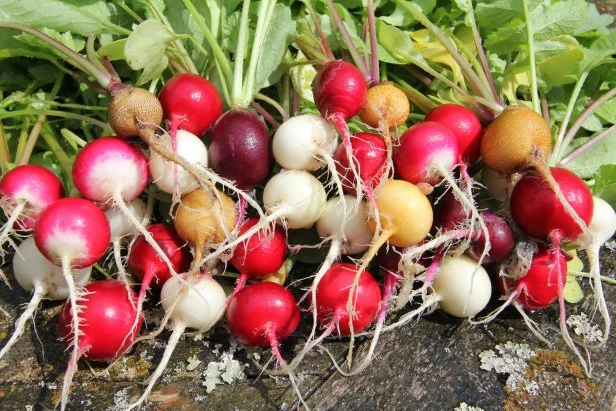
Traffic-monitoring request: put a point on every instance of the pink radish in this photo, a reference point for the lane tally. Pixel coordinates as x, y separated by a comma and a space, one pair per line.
35, 273
197, 304
72, 233
428, 153
145, 263
240, 148
25, 191
465, 126
262, 314
106, 318
109, 170
191, 103
260, 255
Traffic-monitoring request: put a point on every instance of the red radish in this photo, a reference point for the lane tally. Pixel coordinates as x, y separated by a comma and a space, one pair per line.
106, 318
259, 256
429, 152
73, 233
334, 292
347, 235
537, 211
196, 302
501, 240
465, 126
35, 273
240, 148
25, 191
262, 314
370, 154
191, 102
145, 263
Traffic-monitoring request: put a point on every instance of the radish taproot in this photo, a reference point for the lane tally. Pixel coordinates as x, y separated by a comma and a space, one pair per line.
25, 192
196, 302
107, 315
37, 274
122, 227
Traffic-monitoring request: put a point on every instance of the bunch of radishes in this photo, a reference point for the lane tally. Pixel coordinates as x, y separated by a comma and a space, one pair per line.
402, 193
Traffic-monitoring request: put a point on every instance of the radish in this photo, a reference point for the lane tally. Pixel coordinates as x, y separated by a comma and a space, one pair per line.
167, 175
537, 288
428, 152
601, 227
538, 211
349, 236
334, 291
260, 255
111, 170
465, 126
72, 233
240, 148
25, 191
461, 289
202, 220
106, 318
387, 108
340, 93
121, 227
145, 263
370, 153
307, 142
295, 198
199, 304
262, 314
35, 273
191, 103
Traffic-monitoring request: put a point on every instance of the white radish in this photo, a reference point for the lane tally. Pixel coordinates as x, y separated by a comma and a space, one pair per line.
199, 306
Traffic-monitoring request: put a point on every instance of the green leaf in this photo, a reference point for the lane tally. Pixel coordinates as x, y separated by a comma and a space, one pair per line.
605, 183
281, 29
76, 16
587, 163
396, 43
572, 291
401, 18
607, 111
559, 66
114, 50
561, 18
145, 49
497, 14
